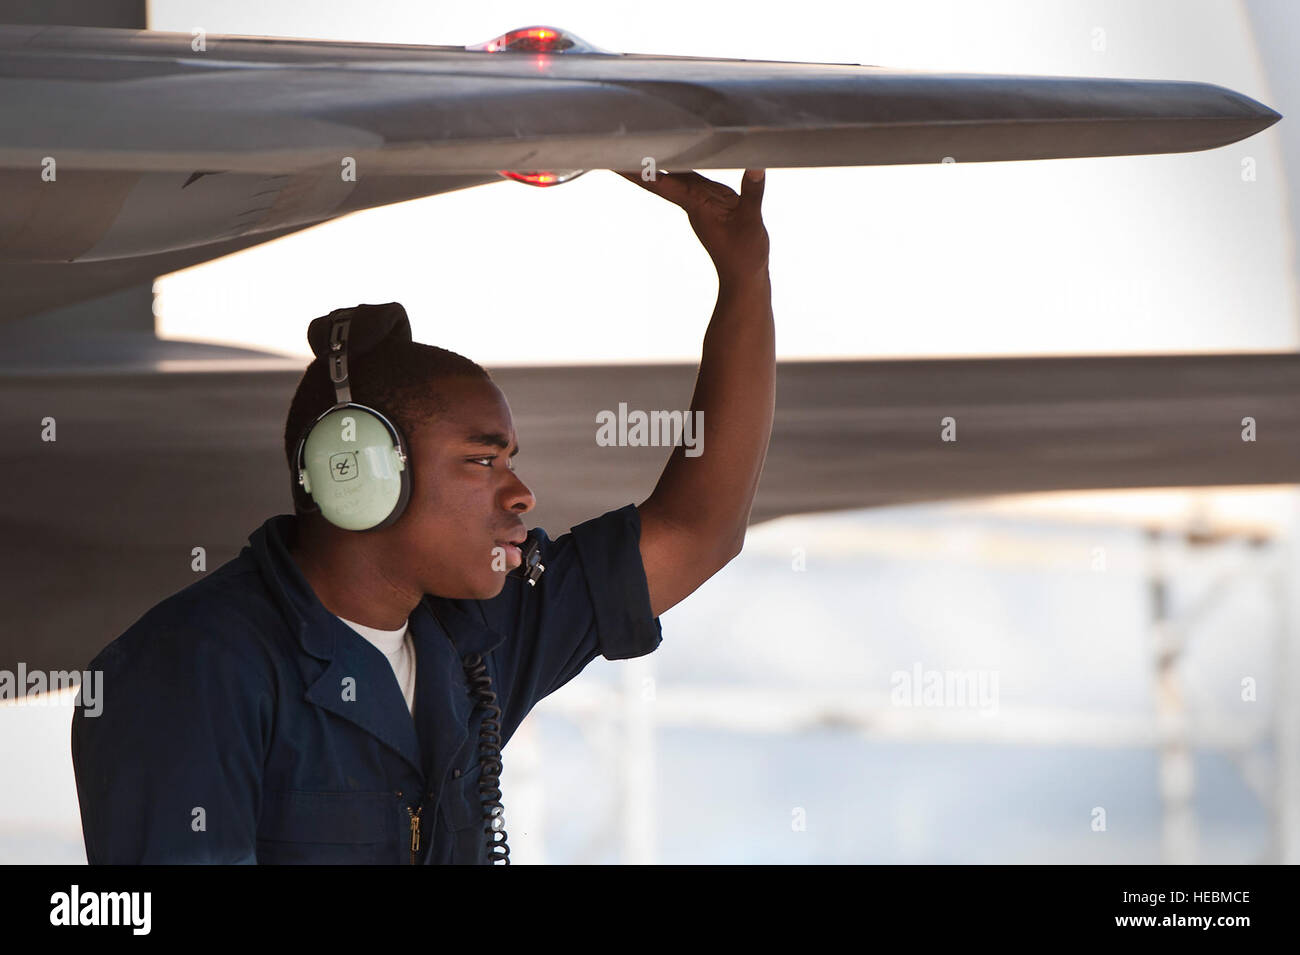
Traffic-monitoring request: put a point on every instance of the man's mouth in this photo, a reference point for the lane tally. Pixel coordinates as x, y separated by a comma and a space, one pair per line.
512, 544
514, 556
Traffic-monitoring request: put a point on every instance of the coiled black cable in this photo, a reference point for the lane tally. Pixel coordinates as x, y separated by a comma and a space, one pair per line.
489, 744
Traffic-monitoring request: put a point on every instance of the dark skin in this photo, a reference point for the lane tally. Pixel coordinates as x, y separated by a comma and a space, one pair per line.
467, 503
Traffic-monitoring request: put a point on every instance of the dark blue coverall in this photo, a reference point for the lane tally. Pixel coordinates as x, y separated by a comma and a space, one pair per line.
225, 735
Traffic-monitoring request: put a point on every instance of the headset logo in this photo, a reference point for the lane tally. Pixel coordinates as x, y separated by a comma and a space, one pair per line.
343, 466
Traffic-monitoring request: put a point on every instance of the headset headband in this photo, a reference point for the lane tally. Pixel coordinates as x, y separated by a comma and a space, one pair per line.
338, 358
368, 326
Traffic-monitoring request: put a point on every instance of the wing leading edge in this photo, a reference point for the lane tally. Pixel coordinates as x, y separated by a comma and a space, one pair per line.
118, 145
281, 106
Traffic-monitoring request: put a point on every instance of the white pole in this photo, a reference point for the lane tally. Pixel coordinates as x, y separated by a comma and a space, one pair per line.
638, 762
1178, 829
1286, 685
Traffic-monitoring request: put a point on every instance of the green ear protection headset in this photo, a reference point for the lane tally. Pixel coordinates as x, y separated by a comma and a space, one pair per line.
353, 460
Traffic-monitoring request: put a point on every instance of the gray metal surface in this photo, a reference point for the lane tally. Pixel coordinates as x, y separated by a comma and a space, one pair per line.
99, 525
163, 152
275, 106
27, 288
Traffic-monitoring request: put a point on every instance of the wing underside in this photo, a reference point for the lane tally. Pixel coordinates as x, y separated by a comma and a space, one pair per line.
276, 106
120, 145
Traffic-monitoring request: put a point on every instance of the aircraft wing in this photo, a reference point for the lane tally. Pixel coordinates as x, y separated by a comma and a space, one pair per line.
121, 145
848, 434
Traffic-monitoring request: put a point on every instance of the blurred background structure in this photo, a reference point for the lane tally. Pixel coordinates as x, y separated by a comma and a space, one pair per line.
952, 675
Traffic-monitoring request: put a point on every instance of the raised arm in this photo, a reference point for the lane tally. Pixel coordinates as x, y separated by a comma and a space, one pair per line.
694, 521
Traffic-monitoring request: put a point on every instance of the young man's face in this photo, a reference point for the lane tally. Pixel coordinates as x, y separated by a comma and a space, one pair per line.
467, 505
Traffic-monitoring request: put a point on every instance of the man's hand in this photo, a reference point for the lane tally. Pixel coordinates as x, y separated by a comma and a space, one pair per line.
729, 226
694, 522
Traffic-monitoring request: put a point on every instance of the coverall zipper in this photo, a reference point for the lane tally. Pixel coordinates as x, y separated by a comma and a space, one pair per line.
415, 828
415, 831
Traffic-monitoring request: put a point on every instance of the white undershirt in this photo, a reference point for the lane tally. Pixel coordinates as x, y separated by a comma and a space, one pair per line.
399, 648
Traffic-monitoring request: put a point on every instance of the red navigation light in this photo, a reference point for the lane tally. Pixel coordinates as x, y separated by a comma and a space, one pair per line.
532, 40
543, 178
544, 40
536, 39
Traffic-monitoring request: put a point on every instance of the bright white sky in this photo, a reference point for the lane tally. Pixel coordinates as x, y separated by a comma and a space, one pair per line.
1142, 254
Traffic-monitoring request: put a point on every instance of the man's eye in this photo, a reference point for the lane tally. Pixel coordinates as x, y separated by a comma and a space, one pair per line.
489, 460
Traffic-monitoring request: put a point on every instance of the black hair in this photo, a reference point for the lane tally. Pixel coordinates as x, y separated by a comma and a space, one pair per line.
399, 378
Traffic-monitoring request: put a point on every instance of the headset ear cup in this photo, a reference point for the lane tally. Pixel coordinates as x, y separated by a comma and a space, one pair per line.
403, 498
401, 456
350, 460
304, 480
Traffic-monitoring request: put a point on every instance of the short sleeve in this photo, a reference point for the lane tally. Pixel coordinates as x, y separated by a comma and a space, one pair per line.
609, 548
591, 600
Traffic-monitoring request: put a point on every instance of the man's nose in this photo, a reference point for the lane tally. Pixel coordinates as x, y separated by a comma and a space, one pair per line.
518, 497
